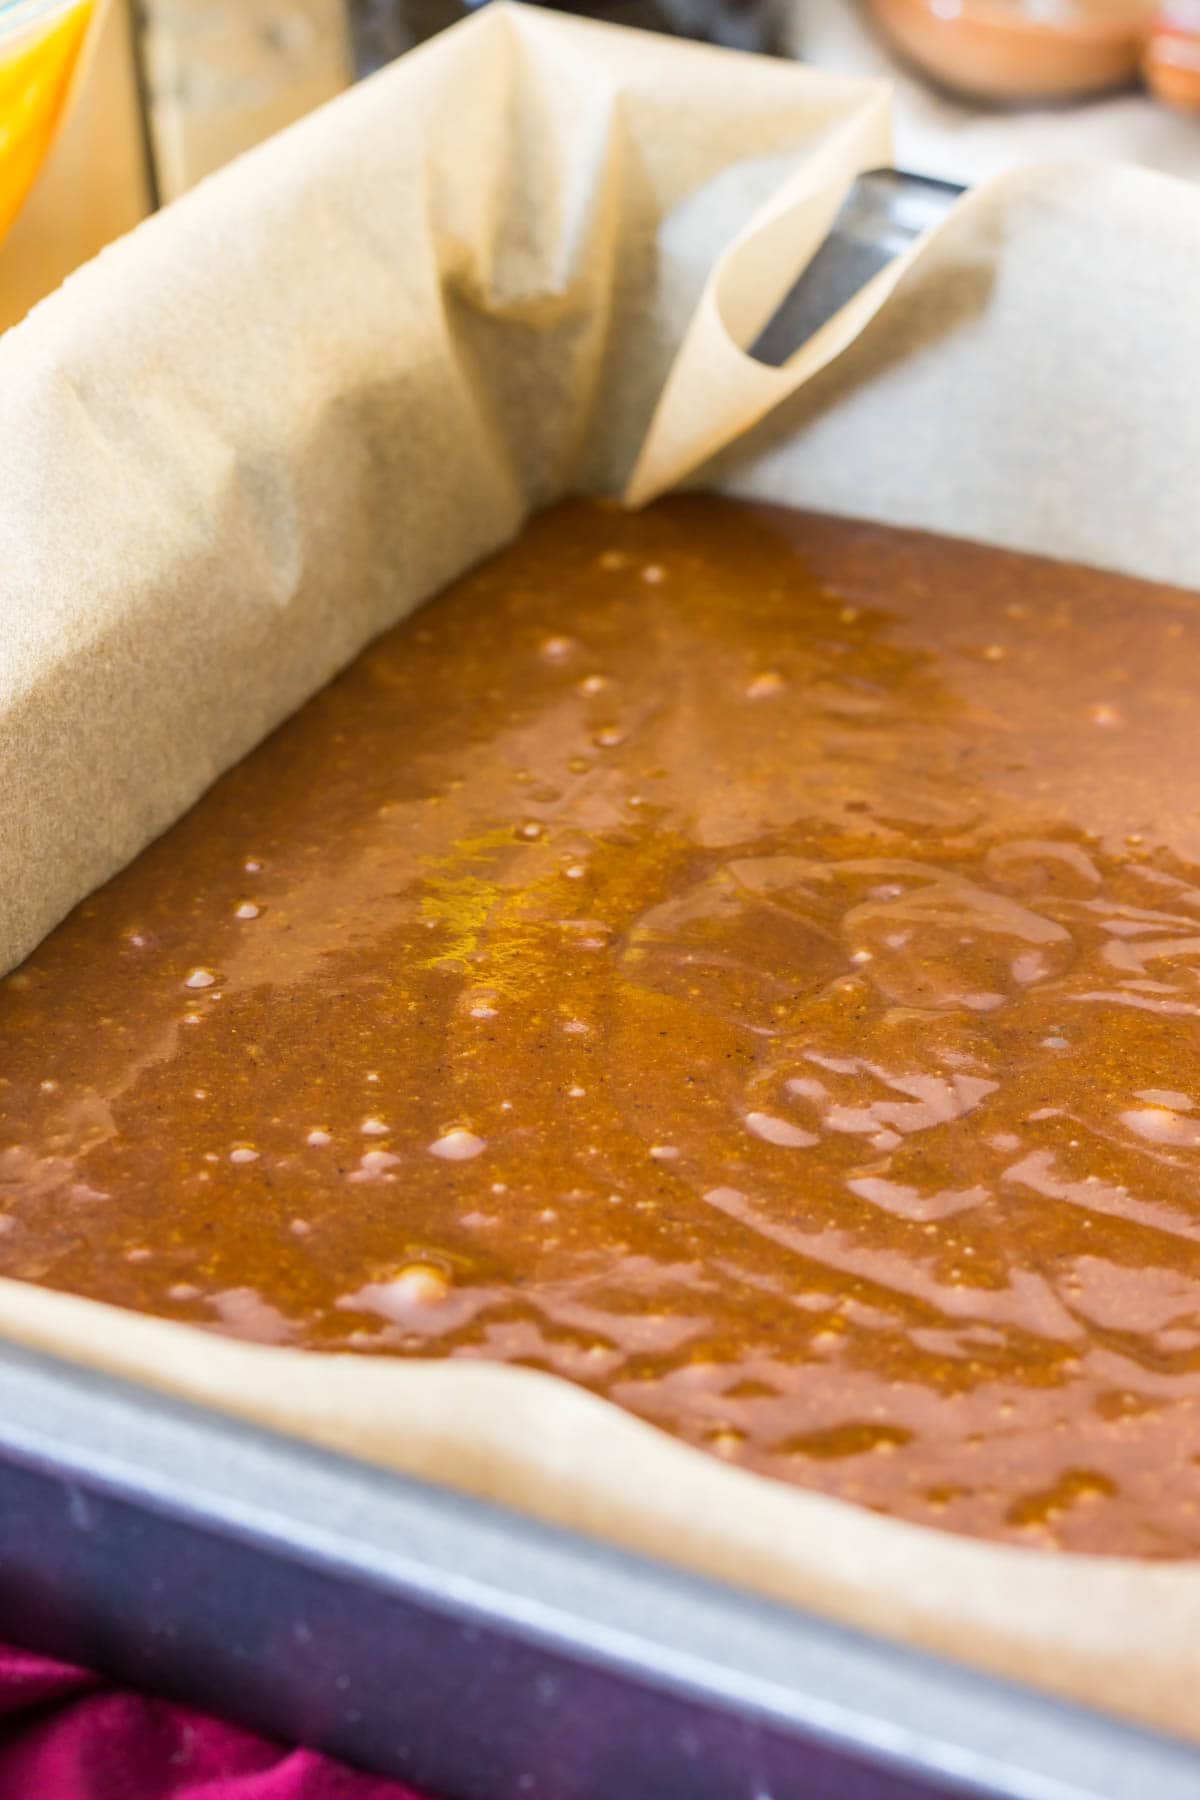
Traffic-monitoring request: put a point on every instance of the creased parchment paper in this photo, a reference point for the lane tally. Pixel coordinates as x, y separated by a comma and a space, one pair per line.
279, 415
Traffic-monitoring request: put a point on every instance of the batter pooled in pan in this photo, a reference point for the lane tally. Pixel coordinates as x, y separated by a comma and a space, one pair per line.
740, 961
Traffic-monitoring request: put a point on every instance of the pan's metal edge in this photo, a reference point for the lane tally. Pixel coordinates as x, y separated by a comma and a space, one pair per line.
568, 1628
885, 211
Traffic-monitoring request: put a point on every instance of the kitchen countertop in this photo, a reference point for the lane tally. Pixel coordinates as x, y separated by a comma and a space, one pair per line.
939, 135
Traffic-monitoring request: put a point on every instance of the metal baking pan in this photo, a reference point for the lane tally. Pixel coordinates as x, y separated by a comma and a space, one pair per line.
472, 1650
475, 1652
885, 211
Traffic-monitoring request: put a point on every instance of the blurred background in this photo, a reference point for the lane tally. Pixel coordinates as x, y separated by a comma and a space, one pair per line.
109, 106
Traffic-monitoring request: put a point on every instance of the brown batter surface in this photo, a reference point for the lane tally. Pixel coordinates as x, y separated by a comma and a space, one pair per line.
743, 962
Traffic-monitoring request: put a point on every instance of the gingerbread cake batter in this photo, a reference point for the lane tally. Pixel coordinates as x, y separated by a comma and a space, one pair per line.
743, 962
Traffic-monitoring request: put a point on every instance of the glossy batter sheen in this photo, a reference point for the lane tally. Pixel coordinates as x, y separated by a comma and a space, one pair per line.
744, 962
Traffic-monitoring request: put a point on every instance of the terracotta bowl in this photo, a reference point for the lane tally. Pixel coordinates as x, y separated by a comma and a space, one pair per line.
1171, 63
1011, 50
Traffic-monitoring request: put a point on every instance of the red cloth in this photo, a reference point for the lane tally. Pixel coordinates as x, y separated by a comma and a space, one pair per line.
68, 1735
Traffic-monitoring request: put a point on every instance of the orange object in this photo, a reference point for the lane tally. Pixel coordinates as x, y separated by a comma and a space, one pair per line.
40, 49
1172, 59
1009, 50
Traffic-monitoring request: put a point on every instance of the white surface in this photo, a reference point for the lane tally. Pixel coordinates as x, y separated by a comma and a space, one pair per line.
938, 136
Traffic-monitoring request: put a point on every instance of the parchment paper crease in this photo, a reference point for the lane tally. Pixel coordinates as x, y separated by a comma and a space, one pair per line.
280, 414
